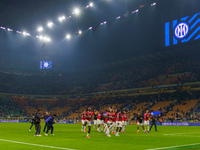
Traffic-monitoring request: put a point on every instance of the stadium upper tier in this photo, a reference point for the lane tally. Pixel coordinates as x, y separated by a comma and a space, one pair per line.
153, 74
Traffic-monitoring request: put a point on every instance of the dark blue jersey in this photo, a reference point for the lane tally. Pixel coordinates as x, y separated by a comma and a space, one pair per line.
50, 121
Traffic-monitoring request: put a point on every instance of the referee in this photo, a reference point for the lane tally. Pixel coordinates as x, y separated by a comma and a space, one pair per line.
153, 122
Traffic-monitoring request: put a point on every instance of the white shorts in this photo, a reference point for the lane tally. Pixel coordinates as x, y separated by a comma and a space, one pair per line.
109, 122
139, 124
99, 121
83, 121
102, 121
146, 122
95, 122
118, 124
124, 123
88, 123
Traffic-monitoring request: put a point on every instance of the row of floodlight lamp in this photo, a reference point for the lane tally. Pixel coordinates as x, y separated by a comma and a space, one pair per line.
62, 18
103, 23
135, 11
43, 38
11, 30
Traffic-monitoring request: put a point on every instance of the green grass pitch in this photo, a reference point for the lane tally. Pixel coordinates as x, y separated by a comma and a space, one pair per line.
15, 136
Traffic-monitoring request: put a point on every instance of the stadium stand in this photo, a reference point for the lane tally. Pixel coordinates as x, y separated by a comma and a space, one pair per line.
168, 87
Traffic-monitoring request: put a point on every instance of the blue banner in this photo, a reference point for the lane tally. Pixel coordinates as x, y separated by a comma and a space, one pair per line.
182, 30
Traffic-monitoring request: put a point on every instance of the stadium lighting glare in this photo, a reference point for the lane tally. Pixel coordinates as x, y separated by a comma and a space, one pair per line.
8, 29
91, 4
25, 33
50, 24
62, 18
19, 32
44, 38
47, 39
101, 24
90, 28
80, 32
3, 28
153, 4
118, 17
135, 11
40, 29
68, 36
41, 37
76, 11
104, 22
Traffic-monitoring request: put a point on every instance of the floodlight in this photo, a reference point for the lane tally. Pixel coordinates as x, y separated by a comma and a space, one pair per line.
24, 33
118, 17
3, 28
50, 24
153, 4
68, 36
61, 18
19, 32
8, 29
40, 29
76, 11
91, 4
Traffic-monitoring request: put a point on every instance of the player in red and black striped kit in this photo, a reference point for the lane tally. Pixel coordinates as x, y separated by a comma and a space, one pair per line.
118, 123
99, 121
124, 119
88, 117
83, 121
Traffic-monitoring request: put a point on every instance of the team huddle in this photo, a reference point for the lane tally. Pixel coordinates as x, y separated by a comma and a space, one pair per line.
113, 121
110, 121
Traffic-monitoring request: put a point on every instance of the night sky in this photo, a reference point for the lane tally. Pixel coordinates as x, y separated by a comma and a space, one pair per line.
132, 36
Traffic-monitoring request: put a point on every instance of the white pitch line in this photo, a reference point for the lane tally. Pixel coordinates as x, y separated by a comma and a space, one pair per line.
53, 147
182, 133
174, 146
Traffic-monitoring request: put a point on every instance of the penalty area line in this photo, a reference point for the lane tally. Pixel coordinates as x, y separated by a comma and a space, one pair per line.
174, 146
38, 145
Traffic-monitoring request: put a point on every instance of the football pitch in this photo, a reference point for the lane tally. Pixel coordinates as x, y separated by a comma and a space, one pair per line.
15, 136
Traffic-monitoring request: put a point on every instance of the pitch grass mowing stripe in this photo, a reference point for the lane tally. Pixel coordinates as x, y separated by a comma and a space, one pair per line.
53, 147
175, 146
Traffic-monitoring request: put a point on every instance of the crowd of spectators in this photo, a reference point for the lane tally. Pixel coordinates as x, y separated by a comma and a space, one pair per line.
8, 108
135, 76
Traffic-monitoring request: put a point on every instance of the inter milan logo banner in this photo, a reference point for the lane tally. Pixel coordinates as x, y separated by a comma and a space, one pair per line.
46, 64
183, 30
